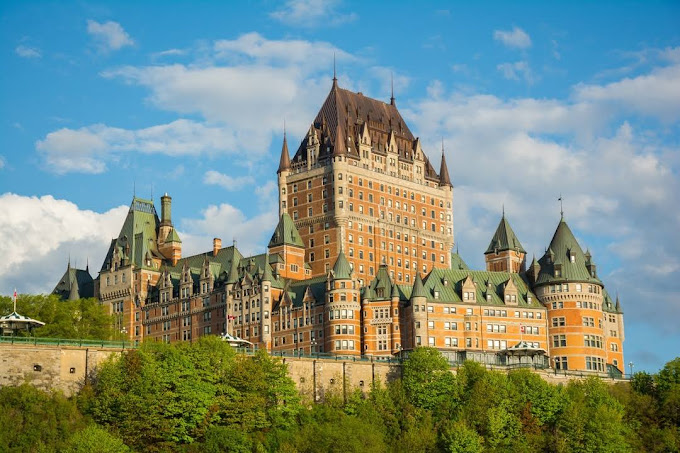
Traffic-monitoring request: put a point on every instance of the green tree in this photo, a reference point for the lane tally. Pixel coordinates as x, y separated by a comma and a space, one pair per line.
35, 421
427, 379
459, 438
78, 319
95, 439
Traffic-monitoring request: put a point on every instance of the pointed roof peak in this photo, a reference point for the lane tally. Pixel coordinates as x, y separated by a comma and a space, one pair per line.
335, 79
418, 288
342, 270
286, 233
444, 179
392, 102
284, 161
504, 238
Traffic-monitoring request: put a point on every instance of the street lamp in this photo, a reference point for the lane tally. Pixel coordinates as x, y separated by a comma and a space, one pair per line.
630, 364
313, 343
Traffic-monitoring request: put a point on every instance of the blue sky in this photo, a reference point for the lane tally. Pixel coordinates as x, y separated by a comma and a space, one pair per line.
533, 100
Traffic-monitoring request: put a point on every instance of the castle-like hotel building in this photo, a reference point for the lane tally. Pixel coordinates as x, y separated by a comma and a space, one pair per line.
360, 264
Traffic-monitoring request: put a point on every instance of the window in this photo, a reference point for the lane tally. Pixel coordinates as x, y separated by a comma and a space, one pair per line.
561, 363
559, 322
559, 341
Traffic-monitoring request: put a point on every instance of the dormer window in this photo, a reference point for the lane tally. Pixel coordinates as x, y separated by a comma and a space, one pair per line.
436, 294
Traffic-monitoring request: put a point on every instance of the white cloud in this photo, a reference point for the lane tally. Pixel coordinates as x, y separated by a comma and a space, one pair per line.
312, 13
516, 71
88, 149
39, 234
28, 52
2, 162
228, 222
516, 38
227, 182
109, 35
656, 94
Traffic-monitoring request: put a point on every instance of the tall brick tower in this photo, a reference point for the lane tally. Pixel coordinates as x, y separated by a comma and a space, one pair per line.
361, 179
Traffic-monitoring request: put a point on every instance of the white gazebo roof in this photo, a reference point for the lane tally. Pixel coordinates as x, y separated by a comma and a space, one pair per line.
14, 321
235, 341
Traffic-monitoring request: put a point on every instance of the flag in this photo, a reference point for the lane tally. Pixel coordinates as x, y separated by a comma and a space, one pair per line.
14, 299
231, 317
521, 329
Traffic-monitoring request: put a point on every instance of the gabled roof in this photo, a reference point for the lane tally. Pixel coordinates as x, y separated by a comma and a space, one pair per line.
504, 239
562, 246
448, 284
138, 234
285, 233
381, 287
75, 283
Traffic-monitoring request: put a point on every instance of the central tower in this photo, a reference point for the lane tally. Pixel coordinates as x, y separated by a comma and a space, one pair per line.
360, 182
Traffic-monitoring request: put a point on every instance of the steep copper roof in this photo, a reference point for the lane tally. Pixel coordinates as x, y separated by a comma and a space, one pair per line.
342, 118
284, 161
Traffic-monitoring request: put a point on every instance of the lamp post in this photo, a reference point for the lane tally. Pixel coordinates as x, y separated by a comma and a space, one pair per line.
630, 365
313, 343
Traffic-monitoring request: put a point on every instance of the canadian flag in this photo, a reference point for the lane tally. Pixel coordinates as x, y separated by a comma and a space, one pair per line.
231, 317
15, 295
521, 329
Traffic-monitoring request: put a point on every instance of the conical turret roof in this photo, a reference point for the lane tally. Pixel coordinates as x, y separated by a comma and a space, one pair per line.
444, 179
418, 288
284, 161
560, 251
342, 269
504, 239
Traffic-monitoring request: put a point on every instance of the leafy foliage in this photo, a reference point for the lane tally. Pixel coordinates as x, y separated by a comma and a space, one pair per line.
76, 319
202, 397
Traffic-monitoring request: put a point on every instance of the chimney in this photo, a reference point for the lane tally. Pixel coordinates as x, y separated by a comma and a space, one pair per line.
166, 202
217, 245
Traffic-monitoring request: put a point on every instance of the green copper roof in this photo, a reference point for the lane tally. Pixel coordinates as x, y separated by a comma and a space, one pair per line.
173, 237
557, 264
457, 262
77, 280
418, 288
381, 287
504, 239
286, 233
342, 269
138, 234
267, 276
489, 288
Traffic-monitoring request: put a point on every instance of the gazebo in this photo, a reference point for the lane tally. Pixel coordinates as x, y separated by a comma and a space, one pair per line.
523, 354
235, 342
14, 323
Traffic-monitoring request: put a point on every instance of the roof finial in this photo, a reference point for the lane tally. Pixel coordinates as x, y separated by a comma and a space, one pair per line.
87, 264
151, 192
392, 84
69, 261
561, 209
503, 210
134, 187
284, 127
335, 79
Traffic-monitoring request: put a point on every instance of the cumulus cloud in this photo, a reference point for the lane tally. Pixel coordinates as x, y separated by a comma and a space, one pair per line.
88, 149
516, 71
312, 13
515, 38
39, 234
656, 94
227, 182
108, 35
28, 52
228, 223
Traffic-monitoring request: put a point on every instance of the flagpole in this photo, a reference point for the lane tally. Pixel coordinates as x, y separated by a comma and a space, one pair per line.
15, 300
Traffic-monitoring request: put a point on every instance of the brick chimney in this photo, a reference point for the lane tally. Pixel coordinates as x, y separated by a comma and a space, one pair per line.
217, 245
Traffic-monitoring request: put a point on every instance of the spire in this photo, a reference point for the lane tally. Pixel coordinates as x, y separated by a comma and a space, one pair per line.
618, 304
418, 288
339, 146
335, 79
561, 208
392, 83
284, 162
87, 265
267, 276
444, 179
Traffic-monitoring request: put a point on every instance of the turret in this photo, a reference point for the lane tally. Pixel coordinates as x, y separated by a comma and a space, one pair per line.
505, 253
